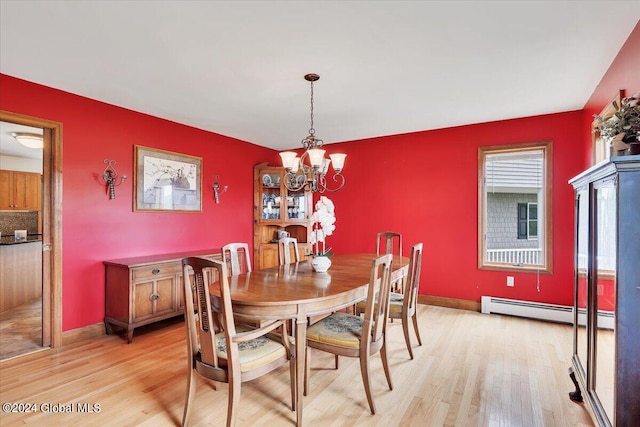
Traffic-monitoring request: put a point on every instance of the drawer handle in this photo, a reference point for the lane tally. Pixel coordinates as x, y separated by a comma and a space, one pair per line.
155, 271
154, 297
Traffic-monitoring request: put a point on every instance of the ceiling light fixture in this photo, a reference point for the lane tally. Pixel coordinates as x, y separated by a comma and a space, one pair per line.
312, 176
30, 140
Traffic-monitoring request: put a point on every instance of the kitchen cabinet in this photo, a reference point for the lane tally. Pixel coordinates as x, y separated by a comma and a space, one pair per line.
144, 290
20, 190
276, 210
605, 365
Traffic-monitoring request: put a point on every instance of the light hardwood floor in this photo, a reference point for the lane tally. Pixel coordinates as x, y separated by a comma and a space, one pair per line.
21, 329
472, 370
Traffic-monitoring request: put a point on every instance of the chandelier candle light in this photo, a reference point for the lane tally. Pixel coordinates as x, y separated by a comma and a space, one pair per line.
315, 172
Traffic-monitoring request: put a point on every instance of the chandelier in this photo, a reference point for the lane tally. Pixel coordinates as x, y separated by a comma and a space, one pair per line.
312, 176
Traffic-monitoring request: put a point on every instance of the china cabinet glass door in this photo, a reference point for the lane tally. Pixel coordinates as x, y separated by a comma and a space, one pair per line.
581, 279
605, 298
271, 195
296, 205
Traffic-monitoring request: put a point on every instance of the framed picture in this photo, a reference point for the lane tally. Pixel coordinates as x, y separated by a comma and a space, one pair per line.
166, 181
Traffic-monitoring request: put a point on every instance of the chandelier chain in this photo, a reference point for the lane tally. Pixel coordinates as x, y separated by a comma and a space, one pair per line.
311, 129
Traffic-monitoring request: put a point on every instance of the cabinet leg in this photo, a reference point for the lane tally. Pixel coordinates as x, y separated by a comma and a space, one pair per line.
576, 395
108, 328
129, 335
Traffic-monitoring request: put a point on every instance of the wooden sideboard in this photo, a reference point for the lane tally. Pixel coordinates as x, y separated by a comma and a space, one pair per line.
144, 290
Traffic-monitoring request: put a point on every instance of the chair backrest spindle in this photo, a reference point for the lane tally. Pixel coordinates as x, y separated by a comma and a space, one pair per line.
237, 255
285, 246
413, 278
377, 309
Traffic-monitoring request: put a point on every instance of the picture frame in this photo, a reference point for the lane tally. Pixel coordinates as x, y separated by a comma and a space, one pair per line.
166, 181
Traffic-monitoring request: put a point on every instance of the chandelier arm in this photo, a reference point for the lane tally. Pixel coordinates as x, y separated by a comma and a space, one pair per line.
339, 178
292, 183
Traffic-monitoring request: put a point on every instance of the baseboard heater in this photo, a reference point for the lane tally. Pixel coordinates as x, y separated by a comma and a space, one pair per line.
541, 311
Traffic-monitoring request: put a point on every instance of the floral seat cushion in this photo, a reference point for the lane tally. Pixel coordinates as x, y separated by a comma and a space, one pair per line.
253, 353
341, 329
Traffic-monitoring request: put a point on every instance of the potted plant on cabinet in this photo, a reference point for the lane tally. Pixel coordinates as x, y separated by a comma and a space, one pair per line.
622, 129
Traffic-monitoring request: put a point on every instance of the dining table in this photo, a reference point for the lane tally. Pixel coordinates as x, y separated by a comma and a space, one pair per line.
295, 291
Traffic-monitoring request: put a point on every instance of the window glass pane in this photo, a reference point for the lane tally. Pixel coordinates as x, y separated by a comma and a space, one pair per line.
513, 192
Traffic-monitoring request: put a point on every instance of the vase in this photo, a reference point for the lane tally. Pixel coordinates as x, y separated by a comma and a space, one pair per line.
634, 148
321, 264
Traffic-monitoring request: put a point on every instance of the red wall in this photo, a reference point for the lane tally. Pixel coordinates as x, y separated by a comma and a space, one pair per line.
422, 184
96, 228
624, 73
425, 186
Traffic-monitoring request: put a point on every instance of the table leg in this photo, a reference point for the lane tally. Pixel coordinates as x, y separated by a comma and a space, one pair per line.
301, 344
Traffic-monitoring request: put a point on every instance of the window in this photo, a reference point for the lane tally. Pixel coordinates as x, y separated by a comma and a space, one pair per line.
601, 146
527, 220
514, 207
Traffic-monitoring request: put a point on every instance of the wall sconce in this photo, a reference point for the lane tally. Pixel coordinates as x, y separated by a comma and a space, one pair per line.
218, 189
109, 176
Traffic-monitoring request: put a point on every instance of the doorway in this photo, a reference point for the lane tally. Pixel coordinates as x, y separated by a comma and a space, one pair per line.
51, 306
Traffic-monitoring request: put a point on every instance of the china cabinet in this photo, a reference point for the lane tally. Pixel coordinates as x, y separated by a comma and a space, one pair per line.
278, 212
605, 365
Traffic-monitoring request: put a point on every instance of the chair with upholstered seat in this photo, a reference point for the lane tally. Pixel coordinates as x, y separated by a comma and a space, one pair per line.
404, 305
235, 355
344, 334
285, 246
237, 256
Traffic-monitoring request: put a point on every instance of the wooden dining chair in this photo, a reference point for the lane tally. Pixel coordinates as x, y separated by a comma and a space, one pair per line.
237, 256
235, 355
404, 305
344, 334
390, 242
285, 246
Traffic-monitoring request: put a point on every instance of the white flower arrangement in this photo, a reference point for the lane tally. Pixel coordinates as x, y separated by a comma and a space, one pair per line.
322, 225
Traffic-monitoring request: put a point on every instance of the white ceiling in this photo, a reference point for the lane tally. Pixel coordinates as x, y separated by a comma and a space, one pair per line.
236, 68
9, 146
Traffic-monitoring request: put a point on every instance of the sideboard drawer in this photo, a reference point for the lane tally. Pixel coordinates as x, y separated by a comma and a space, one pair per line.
156, 270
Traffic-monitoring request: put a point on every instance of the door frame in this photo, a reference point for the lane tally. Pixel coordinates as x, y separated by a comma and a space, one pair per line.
51, 224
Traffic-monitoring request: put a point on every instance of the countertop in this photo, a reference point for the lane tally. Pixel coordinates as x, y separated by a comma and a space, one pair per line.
10, 240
